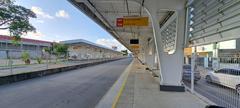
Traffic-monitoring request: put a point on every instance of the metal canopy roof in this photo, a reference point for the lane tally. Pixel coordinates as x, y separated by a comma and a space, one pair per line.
211, 21
105, 13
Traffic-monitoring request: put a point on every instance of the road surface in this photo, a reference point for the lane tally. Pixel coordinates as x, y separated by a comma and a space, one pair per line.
218, 94
81, 88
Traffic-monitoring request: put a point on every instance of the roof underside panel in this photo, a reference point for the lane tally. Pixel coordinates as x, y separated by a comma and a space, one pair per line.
214, 21
105, 13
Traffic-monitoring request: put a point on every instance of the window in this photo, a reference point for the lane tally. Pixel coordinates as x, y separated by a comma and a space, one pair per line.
234, 72
187, 67
223, 71
229, 71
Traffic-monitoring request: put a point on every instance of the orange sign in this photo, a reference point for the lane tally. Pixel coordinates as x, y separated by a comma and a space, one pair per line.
132, 21
134, 46
203, 54
187, 51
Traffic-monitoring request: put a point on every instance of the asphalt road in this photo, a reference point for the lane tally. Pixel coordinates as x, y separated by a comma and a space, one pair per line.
82, 88
218, 94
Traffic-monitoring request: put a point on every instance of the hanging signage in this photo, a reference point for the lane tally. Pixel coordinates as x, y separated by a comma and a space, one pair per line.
134, 41
132, 21
203, 54
187, 51
135, 46
119, 22
136, 51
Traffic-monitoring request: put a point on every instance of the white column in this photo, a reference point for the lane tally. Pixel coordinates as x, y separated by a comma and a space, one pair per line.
215, 50
170, 64
150, 55
215, 59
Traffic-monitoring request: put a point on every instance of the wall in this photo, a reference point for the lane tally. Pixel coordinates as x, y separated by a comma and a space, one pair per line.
15, 51
82, 52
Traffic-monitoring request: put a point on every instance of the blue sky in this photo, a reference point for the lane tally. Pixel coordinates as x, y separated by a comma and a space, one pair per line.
59, 20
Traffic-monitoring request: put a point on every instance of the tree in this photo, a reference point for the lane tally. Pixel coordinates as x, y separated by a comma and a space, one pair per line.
60, 49
15, 18
57, 50
125, 52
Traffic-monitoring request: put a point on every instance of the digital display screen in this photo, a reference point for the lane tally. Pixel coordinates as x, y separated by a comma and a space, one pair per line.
134, 41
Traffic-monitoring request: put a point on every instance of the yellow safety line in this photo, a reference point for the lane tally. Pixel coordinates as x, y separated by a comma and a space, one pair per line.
122, 87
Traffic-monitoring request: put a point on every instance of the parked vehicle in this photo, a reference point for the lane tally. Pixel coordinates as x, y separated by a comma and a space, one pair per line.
187, 74
226, 77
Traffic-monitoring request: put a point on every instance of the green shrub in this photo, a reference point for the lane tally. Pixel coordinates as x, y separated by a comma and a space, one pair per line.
39, 60
25, 57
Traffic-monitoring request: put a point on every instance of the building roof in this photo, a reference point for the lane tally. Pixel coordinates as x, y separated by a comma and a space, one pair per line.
24, 40
79, 41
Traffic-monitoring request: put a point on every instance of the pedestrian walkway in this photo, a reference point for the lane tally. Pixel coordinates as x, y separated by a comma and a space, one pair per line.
142, 91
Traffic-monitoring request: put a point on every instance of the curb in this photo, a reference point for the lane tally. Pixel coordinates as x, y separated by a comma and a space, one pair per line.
30, 75
111, 98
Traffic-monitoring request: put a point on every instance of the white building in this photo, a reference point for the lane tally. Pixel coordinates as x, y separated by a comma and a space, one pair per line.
80, 49
14, 51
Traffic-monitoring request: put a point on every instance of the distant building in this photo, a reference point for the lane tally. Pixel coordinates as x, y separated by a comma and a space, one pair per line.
225, 52
34, 47
114, 48
229, 48
80, 49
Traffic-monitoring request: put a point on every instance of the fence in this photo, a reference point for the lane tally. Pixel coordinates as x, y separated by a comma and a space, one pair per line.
22, 61
219, 79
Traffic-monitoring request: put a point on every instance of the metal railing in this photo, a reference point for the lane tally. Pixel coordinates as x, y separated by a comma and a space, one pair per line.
12, 62
217, 79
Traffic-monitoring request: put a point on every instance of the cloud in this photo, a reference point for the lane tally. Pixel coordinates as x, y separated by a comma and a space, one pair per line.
62, 14
4, 32
110, 42
39, 21
31, 35
41, 13
34, 35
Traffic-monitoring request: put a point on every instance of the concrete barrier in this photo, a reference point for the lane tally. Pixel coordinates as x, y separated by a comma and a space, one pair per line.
34, 74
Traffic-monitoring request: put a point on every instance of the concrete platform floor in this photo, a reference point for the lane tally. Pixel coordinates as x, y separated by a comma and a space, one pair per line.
142, 91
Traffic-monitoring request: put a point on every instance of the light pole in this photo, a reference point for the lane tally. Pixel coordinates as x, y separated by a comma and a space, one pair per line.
44, 51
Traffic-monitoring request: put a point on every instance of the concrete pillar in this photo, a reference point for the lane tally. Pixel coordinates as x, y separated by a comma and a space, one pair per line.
215, 50
143, 58
170, 64
150, 55
216, 59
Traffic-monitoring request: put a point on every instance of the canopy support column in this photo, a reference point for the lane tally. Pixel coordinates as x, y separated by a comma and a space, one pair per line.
170, 64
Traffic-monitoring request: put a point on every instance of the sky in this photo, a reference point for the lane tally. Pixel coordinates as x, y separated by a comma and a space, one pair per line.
58, 20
